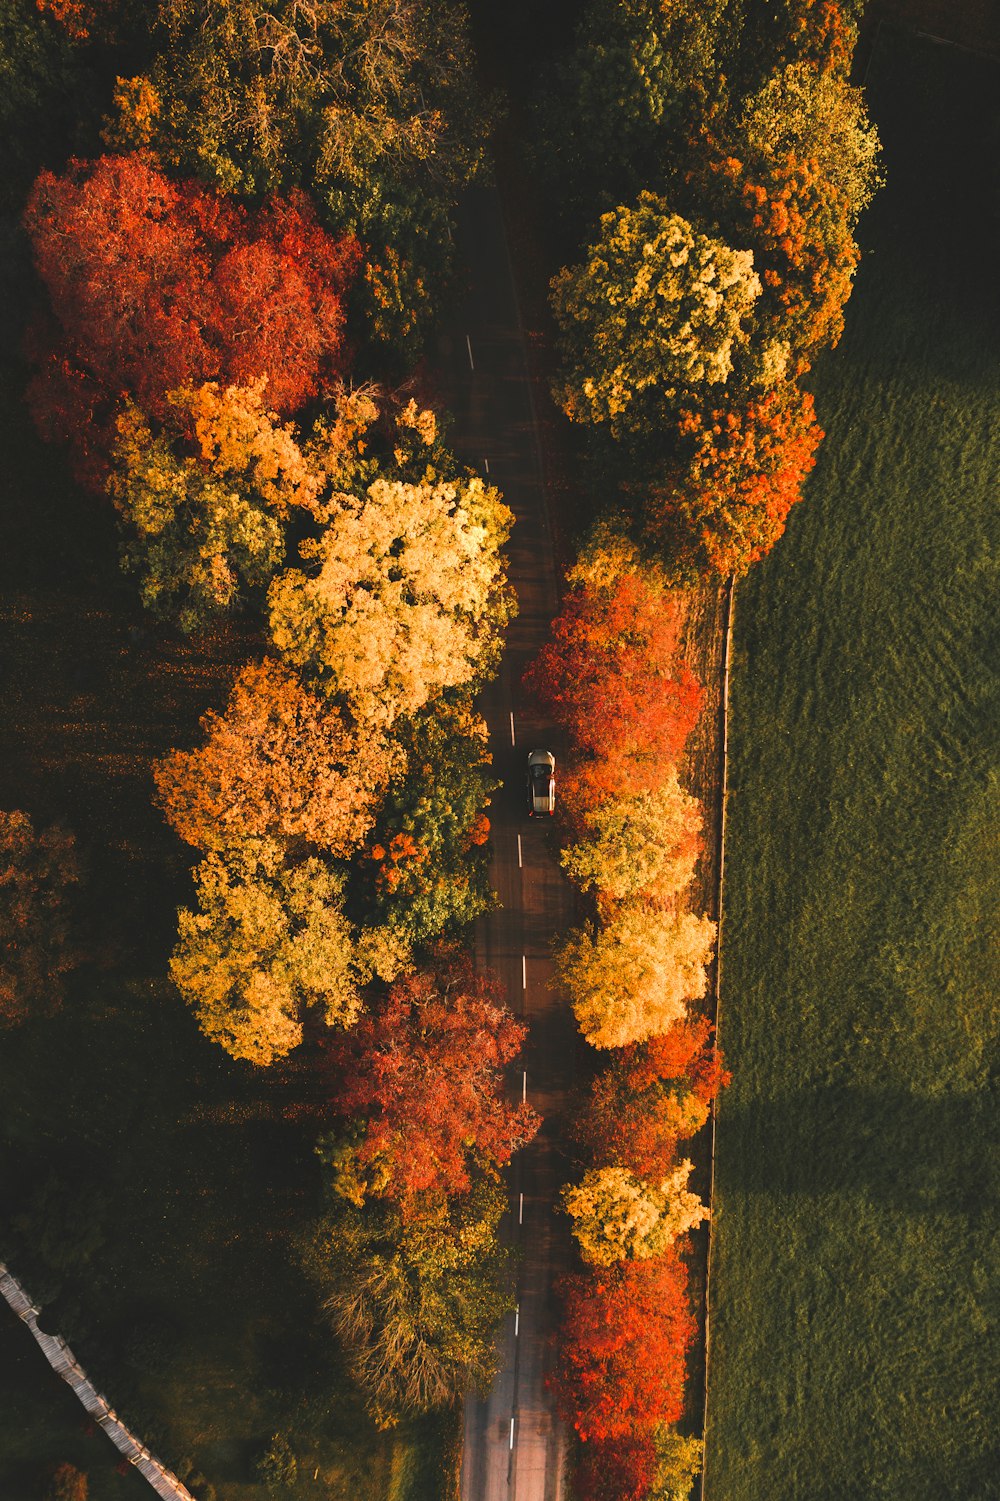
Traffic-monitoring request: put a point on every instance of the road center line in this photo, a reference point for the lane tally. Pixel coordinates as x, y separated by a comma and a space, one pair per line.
512, 738
520, 1209
486, 464
520, 853
517, 1320
524, 973
468, 345
511, 1444
524, 1085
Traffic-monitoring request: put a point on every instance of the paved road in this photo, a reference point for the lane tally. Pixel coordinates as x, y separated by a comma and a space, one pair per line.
514, 1447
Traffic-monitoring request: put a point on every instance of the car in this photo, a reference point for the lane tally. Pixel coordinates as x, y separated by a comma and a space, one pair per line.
541, 782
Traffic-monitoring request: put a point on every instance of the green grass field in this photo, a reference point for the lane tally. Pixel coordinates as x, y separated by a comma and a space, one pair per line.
856, 1283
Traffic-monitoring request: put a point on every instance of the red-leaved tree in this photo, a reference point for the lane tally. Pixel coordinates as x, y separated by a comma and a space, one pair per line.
617, 1470
652, 1096
623, 1345
421, 1075
155, 285
613, 678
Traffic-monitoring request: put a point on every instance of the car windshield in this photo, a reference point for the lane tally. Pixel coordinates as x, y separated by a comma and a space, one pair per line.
541, 773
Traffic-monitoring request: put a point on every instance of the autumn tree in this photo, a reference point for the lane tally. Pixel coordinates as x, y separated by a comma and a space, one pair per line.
415, 1301
624, 1337
422, 1075
723, 501
612, 675
156, 286
640, 843
267, 943
655, 308
424, 871
631, 977
39, 945
68, 1484
204, 529
279, 765
372, 105
617, 1216
650, 1097
402, 594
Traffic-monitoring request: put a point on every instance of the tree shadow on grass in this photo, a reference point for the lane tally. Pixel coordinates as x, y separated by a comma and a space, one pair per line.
910, 1153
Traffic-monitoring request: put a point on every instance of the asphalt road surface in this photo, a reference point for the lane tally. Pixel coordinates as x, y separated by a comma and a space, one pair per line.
514, 1446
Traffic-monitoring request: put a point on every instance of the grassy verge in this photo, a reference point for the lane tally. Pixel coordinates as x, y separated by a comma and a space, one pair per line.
855, 1286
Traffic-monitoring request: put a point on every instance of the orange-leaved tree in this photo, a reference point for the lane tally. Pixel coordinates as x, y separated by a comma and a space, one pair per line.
279, 764
723, 502
613, 677
651, 1097
421, 1074
623, 1344
156, 285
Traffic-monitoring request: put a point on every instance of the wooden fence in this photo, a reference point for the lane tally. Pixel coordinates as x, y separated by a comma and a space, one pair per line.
62, 1360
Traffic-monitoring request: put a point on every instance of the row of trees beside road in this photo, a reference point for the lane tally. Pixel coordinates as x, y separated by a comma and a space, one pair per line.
613, 678
728, 157
235, 286
706, 240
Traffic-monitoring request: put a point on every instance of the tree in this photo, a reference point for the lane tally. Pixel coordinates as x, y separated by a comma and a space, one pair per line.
266, 943
279, 765
202, 530
644, 843
724, 500
617, 1216
799, 229
818, 116
68, 1484
39, 947
372, 105
156, 286
634, 75
652, 1096
624, 1336
613, 675
415, 1302
631, 978
277, 1467
424, 871
404, 594
679, 1461
655, 309
422, 1074
658, 1466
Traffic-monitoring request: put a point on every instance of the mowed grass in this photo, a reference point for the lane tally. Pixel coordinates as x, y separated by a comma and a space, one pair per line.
856, 1280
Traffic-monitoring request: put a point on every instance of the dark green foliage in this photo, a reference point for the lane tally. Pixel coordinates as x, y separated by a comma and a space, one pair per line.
415, 1302
426, 867
277, 1467
371, 105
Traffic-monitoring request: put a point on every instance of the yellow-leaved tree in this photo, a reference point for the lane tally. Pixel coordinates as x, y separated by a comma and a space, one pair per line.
631, 979
619, 1217
655, 308
203, 500
644, 843
403, 594
268, 942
